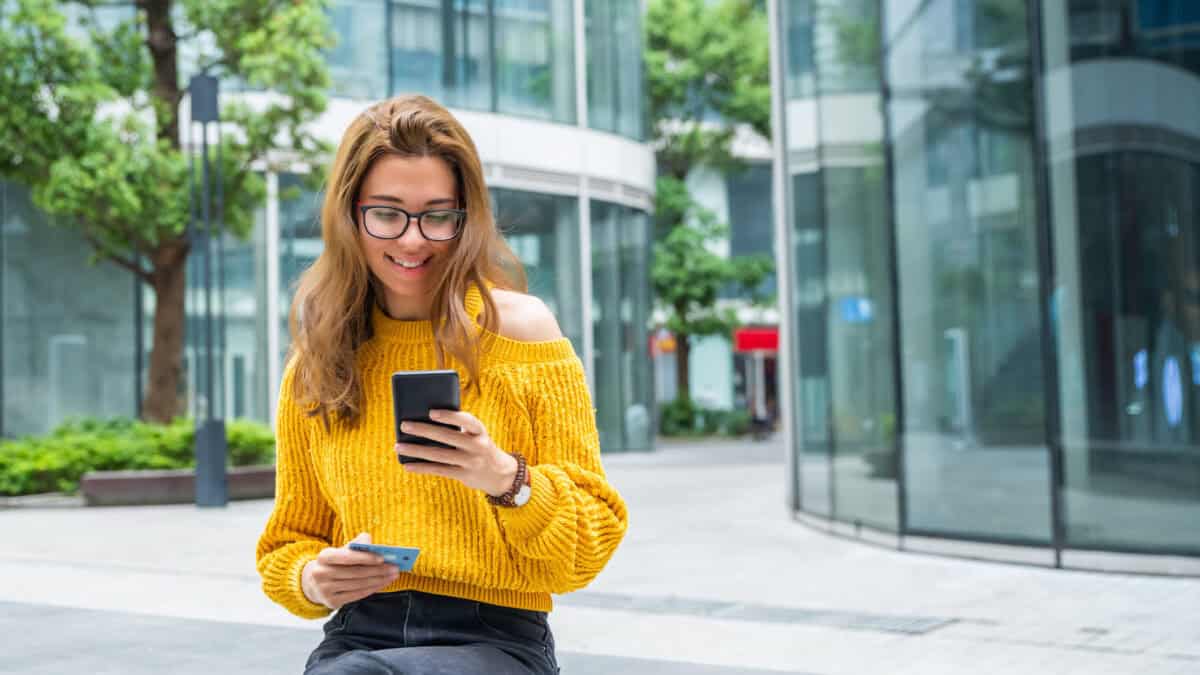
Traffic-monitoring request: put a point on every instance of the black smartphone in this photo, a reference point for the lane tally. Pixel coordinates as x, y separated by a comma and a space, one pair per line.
414, 394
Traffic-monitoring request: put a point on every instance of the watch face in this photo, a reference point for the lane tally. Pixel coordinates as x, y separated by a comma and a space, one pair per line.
522, 495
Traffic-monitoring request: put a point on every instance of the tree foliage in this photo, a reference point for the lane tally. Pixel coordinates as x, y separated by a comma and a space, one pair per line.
706, 70
91, 124
706, 73
688, 276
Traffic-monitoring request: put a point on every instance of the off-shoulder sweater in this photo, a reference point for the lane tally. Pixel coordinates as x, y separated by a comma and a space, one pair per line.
333, 483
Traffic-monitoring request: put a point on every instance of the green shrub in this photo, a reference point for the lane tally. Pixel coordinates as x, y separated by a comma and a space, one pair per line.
677, 418
712, 420
249, 443
55, 462
737, 423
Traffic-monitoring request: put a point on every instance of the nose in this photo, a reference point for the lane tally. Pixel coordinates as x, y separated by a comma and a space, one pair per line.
412, 236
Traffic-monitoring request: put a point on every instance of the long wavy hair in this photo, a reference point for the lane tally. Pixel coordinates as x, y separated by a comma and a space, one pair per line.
330, 316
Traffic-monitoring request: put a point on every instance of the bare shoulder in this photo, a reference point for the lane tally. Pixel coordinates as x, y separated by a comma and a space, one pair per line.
525, 317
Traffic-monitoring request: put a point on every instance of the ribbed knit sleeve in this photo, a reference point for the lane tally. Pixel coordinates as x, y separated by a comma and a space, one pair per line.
571, 526
301, 523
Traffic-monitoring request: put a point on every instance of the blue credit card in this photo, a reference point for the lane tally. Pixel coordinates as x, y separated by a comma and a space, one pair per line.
403, 557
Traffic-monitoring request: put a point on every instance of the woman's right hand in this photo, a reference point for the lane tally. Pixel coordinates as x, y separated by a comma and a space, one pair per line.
339, 575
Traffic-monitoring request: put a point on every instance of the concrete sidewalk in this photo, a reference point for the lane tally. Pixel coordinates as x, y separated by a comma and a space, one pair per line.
714, 578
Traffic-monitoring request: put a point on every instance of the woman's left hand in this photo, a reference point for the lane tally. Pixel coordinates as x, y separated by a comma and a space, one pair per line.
474, 460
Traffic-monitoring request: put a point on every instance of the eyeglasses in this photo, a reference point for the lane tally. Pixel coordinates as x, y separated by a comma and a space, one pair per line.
391, 222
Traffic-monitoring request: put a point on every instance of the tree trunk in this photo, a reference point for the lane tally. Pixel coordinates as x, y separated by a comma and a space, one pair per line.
162, 43
169, 276
683, 380
162, 401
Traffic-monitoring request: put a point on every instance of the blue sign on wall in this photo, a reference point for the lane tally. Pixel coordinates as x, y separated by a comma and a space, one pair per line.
857, 309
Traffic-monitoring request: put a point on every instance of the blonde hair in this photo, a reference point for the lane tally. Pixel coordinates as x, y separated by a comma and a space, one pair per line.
331, 314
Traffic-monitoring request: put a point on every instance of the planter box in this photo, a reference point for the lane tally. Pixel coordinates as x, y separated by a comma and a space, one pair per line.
170, 486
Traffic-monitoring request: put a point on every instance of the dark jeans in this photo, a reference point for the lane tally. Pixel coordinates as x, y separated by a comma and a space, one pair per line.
414, 633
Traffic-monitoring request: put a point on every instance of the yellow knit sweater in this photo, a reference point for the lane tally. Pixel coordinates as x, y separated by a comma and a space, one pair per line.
331, 485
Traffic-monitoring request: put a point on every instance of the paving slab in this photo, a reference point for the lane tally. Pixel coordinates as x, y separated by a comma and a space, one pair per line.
714, 577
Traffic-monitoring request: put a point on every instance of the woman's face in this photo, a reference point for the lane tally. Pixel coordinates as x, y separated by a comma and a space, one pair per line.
407, 266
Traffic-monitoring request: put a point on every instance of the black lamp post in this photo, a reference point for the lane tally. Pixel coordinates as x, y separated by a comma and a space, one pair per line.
211, 488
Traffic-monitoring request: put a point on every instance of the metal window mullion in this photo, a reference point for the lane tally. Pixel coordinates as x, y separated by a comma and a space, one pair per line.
389, 43
587, 335
898, 445
493, 61
274, 367
581, 63
788, 364
1045, 239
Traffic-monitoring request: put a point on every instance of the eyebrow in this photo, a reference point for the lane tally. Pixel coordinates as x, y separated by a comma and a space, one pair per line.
396, 200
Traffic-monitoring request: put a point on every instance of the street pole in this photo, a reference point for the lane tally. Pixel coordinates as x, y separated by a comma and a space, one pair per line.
211, 488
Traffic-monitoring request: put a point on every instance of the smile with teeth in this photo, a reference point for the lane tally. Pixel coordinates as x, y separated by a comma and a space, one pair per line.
407, 264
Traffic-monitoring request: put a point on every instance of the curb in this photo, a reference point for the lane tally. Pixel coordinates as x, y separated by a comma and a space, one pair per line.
47, 500
170, 486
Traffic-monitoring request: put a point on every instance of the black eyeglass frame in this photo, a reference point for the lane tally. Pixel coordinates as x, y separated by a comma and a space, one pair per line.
363, 208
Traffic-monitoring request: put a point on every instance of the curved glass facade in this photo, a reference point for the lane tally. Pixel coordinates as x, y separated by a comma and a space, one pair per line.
995, 268
620, 315
67, 330
615, 90
515, 57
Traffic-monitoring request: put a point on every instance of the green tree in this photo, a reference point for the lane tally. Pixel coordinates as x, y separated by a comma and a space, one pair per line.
687, 278
706, 73
91, 124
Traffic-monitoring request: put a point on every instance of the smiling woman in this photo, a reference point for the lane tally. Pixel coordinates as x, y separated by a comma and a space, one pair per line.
415, 276
407, 260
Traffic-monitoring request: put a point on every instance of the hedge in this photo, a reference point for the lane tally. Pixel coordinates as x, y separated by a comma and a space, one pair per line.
55, 462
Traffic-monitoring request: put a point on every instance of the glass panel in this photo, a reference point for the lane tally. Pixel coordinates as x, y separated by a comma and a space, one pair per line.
616, 96
204, 306
808, 314
976, 460
441, 50
636, 373
750, 223
1125, 212
620, 315
535, 57
358, 65
245, 380
859, 329
845, 43
543, 230
800, 74
299, 243
67, 327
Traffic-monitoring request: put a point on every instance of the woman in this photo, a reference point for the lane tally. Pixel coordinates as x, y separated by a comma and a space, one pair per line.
414, 276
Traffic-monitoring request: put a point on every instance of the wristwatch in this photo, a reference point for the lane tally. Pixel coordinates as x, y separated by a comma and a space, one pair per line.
521, 490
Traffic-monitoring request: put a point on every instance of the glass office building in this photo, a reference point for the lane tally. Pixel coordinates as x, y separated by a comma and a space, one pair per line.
992, 275
551, 92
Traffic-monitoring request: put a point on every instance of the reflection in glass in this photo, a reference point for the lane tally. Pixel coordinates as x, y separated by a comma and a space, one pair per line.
67, 327
620, 317
859, 327
616, 98
442, 50
813, 436
535, 59
543, 230
1125, 205
300, 244
975, 454
799, 73
358, 64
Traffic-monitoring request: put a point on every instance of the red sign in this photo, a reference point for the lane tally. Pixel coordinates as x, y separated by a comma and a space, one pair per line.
763, 339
